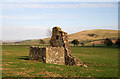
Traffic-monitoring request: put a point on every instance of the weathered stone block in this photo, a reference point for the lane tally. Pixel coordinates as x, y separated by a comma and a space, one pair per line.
55, 55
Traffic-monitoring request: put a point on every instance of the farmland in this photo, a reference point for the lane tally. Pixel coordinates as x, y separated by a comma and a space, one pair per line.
102, 61
81, 36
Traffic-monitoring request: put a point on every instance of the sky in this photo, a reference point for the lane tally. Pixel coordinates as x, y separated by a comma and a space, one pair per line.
31, 20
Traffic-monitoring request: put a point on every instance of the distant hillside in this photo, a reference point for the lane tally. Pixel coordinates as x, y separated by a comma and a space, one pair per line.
87, 35
93, 34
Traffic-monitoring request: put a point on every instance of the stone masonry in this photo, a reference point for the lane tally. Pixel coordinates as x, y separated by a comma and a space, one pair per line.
55, 55
37, 53
58, 53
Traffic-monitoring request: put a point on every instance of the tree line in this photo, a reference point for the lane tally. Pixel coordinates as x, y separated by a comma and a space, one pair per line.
108, 42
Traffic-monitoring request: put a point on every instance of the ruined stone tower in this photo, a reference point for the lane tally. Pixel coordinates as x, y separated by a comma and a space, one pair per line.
58, 53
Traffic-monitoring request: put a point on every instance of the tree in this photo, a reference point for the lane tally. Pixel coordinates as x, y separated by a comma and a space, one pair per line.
93, 35
75, 42
82, 43
41, 41
108, 42
93, 44
49, 32
117, 43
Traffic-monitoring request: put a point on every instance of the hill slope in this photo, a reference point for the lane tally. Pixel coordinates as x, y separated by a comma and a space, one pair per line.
87, 35
93, 34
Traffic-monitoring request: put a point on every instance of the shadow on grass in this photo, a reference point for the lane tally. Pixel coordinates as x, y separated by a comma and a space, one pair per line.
24, 57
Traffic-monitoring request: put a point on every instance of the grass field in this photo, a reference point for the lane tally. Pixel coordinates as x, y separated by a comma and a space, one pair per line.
101, 62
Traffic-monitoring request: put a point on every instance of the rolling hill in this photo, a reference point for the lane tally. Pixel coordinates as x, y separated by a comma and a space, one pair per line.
86, 35
94, 34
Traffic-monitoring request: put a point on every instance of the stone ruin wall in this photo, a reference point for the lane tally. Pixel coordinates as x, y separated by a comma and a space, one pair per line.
58, 53
37, 53
53, 55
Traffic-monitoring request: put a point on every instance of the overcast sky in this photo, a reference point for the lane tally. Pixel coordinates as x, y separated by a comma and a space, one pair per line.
30, 20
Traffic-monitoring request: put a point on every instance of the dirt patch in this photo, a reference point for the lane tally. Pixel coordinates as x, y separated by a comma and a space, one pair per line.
5, 68
11, 72
12, 62
4, 64
21, 73
6, 53
7, 63
29, 71
48, 74
56, 67
99, 70
0, 68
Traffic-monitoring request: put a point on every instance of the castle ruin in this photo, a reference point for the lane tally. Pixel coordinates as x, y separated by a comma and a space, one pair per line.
59, 52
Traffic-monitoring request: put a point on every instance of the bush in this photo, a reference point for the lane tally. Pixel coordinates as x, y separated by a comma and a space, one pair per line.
117, 43
108, 42
41, 42
75, 42
82, 43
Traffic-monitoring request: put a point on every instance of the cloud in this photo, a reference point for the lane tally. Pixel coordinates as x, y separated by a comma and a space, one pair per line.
19, 17
38, 16
58, 5
87, 5
59, 0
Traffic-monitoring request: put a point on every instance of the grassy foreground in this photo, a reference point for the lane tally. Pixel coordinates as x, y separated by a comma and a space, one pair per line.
101, 62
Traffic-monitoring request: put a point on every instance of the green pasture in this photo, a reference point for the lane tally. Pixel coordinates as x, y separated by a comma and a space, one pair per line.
101, 62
